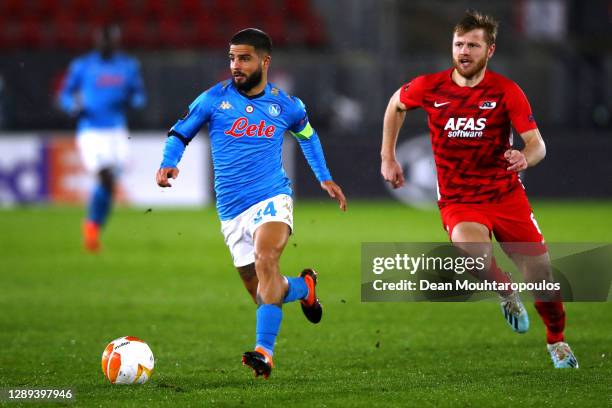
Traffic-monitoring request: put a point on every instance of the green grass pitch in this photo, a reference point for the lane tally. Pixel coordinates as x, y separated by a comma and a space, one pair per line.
166, 276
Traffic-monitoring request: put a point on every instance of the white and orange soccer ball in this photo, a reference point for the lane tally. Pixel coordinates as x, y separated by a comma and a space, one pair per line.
127, 360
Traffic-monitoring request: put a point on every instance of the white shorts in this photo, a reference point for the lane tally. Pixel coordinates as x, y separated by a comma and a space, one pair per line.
102, 148
238, 232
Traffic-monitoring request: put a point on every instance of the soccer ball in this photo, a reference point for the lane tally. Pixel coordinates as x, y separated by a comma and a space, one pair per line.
127, 360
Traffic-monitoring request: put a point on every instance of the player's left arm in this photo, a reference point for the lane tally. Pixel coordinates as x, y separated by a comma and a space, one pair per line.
532, 154
311, 147
522, 119
137, 94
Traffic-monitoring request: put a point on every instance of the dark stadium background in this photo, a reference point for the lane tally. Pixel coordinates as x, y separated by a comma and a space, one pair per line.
344, 59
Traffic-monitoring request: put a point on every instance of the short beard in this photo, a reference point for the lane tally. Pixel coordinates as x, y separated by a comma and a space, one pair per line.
473, 71
251, 81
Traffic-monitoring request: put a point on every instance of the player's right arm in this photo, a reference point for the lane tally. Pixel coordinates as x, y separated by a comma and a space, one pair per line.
69, 95
393, 121
183, 131
409, 96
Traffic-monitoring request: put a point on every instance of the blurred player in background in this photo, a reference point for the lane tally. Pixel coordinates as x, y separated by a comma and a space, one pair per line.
471, 112
247, 118
99, 87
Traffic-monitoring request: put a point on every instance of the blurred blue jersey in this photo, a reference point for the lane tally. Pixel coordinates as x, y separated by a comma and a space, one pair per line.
99, 91
246, 135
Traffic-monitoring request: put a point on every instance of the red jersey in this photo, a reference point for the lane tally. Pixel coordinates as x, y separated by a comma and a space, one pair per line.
471, 128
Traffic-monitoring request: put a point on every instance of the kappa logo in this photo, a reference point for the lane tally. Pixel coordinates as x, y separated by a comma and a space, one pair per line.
487, 105
274, 109
225, 105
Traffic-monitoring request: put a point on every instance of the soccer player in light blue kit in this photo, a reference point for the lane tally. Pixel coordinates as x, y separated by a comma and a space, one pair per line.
247, 118
98, 89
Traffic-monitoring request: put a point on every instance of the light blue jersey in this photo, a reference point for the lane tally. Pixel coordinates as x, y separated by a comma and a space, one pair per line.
246, 135
100, 90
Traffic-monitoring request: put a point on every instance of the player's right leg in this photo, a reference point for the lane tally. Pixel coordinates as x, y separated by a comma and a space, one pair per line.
474, 239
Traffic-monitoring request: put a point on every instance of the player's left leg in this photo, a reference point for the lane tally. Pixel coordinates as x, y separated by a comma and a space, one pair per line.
536, 268
518, 232
270, 240
300, 288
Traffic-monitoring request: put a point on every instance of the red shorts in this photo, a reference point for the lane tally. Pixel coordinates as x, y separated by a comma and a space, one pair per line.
511, 221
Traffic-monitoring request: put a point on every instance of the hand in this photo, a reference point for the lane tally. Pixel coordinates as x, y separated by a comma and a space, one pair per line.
164, 174
517, 160
334, 191
77, 106
392, 172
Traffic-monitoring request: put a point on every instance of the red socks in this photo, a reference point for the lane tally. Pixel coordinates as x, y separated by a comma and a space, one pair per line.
553, 316
495, 274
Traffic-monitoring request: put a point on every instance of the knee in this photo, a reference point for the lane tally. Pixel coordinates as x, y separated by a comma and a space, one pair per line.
470, 232
535, 268
267, 257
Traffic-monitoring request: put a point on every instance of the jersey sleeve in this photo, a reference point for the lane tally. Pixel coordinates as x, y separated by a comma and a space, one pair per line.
309, 142
195, 117
185, 129
71, 85
412, 93
299, 126
519, 109
138, 97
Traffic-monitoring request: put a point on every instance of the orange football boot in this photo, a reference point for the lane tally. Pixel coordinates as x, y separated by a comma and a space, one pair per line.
91, 236
260, 361
310, 305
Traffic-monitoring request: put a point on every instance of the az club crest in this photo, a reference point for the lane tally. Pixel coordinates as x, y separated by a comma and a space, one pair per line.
487, 105
274, 109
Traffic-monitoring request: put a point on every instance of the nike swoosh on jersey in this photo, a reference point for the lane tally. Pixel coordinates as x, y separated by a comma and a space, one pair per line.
438, 104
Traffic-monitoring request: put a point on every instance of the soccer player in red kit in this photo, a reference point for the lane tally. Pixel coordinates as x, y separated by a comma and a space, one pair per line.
471, 113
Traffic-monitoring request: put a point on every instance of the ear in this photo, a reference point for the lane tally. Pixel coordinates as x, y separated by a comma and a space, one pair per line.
266, 61
491, 51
